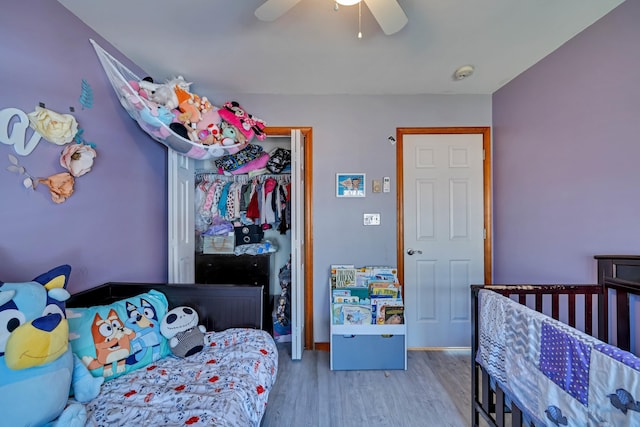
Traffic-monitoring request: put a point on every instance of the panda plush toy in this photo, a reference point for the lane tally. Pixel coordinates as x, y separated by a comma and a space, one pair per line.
180, 327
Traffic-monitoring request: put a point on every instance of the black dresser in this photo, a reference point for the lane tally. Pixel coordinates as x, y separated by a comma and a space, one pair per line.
239, 270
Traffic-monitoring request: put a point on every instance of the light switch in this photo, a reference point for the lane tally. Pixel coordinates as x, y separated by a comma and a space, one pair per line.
372, 219
386, 184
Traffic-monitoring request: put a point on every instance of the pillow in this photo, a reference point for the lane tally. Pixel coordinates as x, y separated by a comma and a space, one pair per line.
114, 339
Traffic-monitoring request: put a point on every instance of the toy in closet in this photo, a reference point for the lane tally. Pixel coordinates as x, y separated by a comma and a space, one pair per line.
282, 306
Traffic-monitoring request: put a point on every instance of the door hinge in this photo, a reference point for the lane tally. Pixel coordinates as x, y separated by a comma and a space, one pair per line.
484, 154
484, 234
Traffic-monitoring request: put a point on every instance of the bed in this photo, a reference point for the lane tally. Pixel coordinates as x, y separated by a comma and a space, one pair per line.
225, 384
556, 355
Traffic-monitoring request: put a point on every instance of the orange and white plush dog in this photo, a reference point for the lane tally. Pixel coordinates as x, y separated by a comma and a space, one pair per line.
113, 344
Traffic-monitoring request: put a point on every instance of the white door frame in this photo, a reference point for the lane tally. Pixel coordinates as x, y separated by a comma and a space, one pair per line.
486, 143
297, 245
181, 221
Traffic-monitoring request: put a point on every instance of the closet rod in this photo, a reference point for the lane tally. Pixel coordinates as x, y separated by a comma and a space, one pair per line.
243, 178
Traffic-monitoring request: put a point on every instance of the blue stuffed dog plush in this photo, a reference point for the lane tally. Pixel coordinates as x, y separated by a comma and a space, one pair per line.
36, 362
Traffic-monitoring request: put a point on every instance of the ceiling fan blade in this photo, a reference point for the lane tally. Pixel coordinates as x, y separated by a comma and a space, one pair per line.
389, 15
271, 10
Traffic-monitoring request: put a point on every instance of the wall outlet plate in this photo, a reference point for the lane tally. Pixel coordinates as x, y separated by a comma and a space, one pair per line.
372, 219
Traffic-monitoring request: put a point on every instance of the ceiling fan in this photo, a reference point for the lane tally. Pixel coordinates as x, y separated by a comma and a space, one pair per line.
388, 13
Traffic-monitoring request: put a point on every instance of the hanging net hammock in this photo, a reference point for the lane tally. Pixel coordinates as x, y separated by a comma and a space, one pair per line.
126, 85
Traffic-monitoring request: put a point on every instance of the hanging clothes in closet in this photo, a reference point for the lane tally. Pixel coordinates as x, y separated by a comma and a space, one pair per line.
242, 200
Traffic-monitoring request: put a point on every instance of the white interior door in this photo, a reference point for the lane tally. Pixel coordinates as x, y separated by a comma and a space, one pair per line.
443, 235
180, 191
297, 244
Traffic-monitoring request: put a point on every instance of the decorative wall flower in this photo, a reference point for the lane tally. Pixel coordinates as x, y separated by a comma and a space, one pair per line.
15, 166
54, 127
77, 158
60, 185
60, 129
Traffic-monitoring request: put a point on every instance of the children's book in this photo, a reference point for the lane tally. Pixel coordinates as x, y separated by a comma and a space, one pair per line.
362, 278
378, 288
336, 314
334, 268
362, 293
356, 314
382, 306
346, 299
340, 292
343, 277
394, 315
375, 302
383, 272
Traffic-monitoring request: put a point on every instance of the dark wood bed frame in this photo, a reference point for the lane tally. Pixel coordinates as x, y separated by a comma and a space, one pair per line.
618, 279
219, 306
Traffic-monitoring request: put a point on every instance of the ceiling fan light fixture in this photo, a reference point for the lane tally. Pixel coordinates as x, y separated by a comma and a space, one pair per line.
388, 13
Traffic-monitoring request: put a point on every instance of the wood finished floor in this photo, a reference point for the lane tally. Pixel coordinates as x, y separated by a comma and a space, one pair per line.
433, 391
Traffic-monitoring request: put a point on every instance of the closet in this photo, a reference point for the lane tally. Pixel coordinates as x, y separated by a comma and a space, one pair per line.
188, 262
242, 225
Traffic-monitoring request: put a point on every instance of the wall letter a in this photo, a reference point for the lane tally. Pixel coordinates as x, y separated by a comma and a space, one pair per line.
18, 134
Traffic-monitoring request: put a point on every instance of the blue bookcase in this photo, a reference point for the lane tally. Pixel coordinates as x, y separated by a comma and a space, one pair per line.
368, 346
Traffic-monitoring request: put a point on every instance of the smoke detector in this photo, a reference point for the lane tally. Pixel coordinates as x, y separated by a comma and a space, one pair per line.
463, 72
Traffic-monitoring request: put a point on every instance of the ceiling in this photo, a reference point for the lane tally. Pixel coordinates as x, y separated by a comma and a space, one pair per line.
221, 46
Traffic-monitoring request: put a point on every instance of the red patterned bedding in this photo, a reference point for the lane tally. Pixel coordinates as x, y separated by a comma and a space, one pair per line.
227, 384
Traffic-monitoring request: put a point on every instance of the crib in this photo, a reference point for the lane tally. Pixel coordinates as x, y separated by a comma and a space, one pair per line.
600, 316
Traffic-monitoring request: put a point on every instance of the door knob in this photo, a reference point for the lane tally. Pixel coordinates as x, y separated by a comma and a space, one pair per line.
411, 252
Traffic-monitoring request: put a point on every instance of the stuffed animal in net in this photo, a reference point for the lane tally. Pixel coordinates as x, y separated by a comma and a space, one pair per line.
207, 131
180, 327
37, 366
164, 93
250, 126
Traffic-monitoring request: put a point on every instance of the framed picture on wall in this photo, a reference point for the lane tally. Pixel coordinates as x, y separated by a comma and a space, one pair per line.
350, 185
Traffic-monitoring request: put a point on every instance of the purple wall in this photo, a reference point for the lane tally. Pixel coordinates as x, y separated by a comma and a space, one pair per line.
115, 225
567, 157
566, 145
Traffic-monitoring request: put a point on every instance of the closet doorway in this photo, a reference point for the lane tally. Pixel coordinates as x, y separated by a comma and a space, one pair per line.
182, 237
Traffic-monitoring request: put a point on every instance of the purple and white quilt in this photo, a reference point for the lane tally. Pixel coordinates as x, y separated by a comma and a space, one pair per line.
226, 384
556, 374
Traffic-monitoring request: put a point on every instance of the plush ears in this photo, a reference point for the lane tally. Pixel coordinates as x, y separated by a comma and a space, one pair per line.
36, 363
180, 327
234, 114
